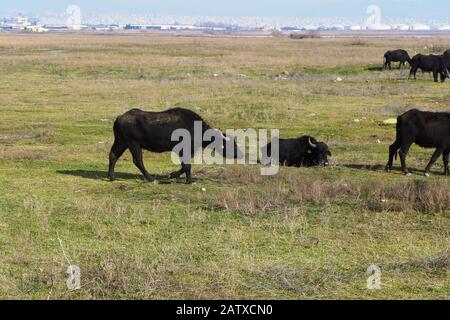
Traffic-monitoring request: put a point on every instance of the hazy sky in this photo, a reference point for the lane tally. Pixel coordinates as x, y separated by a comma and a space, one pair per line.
425, 9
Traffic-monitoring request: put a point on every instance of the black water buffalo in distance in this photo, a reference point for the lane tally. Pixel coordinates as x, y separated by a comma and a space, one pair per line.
137, 130
398, 55
446, 56
430, 63
304, 151
428, 130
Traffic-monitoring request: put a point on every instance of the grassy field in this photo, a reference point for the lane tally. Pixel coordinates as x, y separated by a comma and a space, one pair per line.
302, 234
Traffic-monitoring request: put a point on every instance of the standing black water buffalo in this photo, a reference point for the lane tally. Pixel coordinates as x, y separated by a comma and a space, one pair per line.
430, 63
446, 56
428, 130
398, 55
304, 151
137, 130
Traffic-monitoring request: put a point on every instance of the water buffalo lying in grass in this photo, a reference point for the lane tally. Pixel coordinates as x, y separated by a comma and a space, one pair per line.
304, 151
428, 130
137, 130
430, 63
398, 55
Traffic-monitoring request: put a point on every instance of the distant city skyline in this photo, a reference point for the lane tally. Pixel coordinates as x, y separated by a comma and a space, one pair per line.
349, 9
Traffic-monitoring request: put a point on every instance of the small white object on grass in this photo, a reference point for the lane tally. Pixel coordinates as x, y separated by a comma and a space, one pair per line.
204, 189
390, 121
338, 79
356, 120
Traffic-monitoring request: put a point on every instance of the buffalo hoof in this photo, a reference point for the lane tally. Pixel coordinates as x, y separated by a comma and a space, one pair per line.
387, 169
149, 178
174, 175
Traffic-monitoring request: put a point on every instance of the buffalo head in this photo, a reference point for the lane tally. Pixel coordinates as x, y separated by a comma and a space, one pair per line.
317, 154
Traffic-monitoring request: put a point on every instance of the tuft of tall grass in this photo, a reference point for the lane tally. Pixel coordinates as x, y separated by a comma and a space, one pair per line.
290, 190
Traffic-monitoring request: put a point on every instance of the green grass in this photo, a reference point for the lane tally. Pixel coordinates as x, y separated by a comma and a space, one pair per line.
303, 234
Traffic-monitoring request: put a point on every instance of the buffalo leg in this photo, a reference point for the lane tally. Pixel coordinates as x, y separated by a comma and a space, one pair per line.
412, 73
176, 174
117, 149
433, 159
186, 167
392, 151
403, 152
435, 76
136, 151
445, 158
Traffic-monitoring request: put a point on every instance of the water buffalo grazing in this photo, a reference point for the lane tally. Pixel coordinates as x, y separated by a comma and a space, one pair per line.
428, 130
304, 151
136, 130
446, 56
430, 63
398, 55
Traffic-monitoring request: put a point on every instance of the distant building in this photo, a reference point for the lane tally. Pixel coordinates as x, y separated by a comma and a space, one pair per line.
356, 28
400, 27
38, 29
162, 27
337, 27
420, 27
310, 27
103, 27
55, 27
378, 27
22, 21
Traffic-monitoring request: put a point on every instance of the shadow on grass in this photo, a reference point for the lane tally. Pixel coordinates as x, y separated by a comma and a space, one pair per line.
99, 175
103, 175
375, 68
